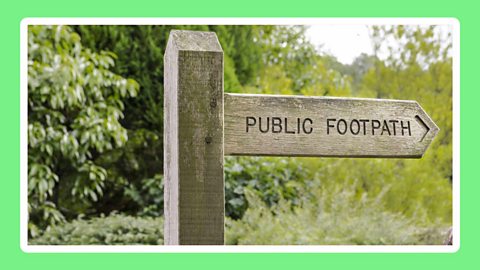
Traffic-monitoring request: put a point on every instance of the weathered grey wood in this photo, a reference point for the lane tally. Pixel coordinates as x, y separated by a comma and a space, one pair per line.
317, 138
193, 140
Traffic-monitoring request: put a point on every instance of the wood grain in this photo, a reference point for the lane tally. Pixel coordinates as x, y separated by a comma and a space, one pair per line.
193, 139
344, 135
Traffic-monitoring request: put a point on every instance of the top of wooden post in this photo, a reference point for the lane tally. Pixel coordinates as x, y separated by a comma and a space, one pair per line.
181, 40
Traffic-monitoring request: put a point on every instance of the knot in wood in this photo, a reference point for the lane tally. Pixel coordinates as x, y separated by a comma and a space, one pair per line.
213, 103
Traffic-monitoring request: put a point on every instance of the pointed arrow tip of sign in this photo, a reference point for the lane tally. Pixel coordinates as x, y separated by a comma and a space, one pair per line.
424, 119
425, 126
429, 125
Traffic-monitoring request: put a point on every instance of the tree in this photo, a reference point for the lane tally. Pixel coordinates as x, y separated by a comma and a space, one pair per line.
74, 107
138, 165
417, 65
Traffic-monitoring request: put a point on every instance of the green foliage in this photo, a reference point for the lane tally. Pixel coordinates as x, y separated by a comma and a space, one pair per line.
74, 104
409, 187
292, 66
354, 72
420, 70
139, 51
80, 161
271, 178
111, 230
337, 217
371, 201
149, 195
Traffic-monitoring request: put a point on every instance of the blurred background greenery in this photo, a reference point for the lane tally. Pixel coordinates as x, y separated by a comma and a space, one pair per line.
95, 135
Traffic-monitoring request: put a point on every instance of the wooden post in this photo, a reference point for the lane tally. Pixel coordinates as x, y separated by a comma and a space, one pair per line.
193, 139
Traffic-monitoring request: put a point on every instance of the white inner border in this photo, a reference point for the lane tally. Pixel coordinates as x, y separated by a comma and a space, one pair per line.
237, 21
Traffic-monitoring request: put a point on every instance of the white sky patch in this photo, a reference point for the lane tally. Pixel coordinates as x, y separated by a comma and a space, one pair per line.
345, 41
348, 41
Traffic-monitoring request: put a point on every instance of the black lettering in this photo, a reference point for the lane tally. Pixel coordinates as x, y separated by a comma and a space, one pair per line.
311, 128
260, 125
406, 127
276, 122
394, 127
344, 124
330, 126
286, 128
364, 121
358, 127
249, 123
385, 127
375, 125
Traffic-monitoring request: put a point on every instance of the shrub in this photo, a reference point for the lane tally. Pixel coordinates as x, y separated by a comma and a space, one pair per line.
110, 230
335, 220
271, 178
75, 105
341, 219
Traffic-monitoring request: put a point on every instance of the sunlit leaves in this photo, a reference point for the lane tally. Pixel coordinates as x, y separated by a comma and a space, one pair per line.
412, 196
336, 217
75, 105
406, 45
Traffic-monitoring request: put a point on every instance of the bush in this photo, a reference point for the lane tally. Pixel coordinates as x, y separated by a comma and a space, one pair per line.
271, 178
335, 220
111, 230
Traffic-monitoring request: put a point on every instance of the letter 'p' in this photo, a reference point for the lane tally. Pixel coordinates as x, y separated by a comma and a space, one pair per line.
251, 121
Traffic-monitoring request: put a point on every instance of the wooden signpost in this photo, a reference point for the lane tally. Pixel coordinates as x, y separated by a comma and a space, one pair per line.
325, 127
201, 126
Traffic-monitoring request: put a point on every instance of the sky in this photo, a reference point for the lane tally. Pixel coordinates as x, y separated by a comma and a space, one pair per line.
345, 42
